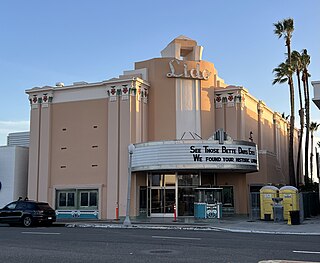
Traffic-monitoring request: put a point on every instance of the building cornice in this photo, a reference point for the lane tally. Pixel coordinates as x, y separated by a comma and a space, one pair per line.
87, 85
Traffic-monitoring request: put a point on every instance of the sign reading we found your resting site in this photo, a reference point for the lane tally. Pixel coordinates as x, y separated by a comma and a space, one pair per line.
196, 154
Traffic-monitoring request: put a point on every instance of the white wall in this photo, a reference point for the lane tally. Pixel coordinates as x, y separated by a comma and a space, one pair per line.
13, 173
21, 172
187, 108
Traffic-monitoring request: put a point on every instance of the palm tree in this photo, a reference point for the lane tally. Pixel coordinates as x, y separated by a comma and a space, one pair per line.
313, 127
297, 67
305, 60
285, 28
283, 74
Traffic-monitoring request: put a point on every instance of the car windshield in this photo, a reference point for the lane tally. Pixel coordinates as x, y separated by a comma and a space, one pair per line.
11, 206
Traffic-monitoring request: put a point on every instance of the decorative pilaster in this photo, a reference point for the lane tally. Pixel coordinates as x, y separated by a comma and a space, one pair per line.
218, 100
229, 98
112, 93
35, 100
260, 108
46, 99
124, 92
276, 127
139, 95
145, 96
132, 88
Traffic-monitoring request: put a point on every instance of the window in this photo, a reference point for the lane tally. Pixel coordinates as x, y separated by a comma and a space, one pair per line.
77, 199
84, 199
188, 180
93, 199
89, 198
66, 199
227, 196
21, 206
11, 206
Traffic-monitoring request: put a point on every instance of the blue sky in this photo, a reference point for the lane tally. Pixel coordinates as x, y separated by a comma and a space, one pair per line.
44, 42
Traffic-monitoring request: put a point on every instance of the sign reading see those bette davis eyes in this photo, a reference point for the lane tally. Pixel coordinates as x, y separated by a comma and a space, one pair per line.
239, 156
193, 73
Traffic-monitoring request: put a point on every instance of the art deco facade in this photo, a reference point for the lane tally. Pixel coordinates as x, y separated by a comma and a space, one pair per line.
189, 127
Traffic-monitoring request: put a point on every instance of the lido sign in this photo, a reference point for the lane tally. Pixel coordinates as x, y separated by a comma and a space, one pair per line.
193, 73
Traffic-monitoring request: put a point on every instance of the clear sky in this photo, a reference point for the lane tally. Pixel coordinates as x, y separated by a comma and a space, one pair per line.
44, 42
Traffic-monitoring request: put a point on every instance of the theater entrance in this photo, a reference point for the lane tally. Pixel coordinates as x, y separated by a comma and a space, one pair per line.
162, 195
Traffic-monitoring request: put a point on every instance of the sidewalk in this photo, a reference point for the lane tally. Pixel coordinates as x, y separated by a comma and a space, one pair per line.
310, 226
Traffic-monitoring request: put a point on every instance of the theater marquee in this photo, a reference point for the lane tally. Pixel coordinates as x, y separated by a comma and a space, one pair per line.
238, 156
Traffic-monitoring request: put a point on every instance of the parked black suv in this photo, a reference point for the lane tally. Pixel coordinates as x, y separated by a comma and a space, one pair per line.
27, 213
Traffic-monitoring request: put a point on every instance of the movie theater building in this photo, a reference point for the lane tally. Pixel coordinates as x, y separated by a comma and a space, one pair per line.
189, 130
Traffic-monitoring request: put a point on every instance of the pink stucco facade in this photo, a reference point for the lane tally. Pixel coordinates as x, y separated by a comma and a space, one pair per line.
80, 134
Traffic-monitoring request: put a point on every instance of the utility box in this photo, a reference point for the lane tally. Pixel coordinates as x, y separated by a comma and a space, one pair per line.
290, 196
266, 203
200, 210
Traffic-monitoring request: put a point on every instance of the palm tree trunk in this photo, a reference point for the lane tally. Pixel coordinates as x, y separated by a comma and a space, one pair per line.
292, 178
288, 44
301, 115
306, 149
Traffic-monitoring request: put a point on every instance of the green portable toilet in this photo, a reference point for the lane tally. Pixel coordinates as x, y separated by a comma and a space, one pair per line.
266, 203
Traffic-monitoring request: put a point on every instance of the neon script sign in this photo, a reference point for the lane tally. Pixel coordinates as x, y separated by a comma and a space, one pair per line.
194, 73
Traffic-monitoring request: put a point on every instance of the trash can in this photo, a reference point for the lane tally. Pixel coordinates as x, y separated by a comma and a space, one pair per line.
277, 209
266, 203
290, 196
295, 217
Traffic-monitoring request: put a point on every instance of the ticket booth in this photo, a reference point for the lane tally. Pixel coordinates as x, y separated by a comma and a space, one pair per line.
208, 203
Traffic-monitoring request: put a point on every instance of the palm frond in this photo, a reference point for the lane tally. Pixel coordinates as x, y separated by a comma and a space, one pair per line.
314, 126
278, 29
282, 73
284, 28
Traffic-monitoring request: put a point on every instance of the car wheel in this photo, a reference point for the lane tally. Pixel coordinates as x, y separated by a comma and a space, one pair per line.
27, 221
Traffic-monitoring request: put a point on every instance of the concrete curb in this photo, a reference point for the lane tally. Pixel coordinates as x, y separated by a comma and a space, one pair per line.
191, 228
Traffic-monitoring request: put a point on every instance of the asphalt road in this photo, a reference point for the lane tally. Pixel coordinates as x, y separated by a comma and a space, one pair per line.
61, 244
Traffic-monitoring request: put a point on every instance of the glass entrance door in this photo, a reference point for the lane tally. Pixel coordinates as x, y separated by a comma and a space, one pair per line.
162, 202
162, 195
